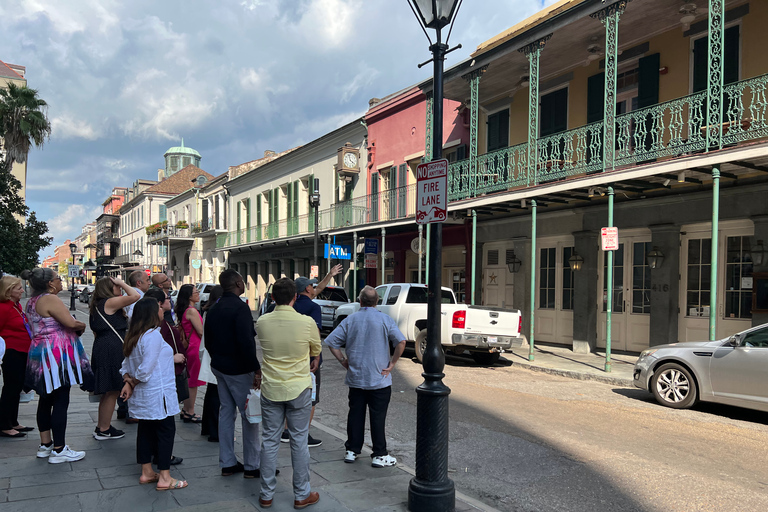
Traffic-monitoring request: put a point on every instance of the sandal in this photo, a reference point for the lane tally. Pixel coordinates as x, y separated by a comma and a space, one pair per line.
175, 484
190, 418
154, 479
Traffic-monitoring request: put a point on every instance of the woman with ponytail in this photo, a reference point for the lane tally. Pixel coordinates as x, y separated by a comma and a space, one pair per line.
56, 362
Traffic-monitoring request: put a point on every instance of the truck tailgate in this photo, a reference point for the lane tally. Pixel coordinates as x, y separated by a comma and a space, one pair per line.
494, 321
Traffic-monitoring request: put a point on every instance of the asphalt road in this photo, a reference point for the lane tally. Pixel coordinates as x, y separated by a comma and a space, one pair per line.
528, 441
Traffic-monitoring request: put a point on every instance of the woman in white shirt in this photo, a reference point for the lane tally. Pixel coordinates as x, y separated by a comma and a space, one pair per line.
150, 385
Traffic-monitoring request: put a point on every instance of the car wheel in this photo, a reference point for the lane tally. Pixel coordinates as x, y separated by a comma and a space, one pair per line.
674, 386
486, 358
421, 345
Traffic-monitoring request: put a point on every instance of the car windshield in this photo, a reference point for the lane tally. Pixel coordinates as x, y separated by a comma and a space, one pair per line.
418, 295
333, 294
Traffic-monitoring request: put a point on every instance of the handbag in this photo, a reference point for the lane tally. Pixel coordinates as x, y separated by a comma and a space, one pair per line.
182, 379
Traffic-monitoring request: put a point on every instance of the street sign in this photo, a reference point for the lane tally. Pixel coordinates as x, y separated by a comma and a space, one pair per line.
196, 264
371, 246
74, 271
148, 272
371, 260
609, 239
431, 191
314, 272
338, 252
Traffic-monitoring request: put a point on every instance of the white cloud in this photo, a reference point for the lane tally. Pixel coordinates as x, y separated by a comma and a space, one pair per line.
68, 128
68, 223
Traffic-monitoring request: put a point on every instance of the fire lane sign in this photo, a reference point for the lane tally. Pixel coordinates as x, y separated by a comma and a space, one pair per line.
431, 192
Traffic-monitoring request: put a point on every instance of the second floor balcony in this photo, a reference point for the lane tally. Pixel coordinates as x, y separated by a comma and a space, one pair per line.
160, 234
207, 227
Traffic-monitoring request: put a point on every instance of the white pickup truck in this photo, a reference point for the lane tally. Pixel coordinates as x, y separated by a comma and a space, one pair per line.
481, 330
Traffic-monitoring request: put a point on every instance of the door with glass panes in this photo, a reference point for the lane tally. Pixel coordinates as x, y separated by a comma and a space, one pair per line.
734, 279
631, 311
554, 292
498, 281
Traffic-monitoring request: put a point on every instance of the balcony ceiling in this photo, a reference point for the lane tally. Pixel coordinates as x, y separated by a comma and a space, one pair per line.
567, 49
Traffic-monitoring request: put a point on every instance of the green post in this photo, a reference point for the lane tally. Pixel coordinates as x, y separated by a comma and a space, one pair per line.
716, 42
609, 289
713, 262
532, 52
533, 276
428, 130
609, 16
474, 256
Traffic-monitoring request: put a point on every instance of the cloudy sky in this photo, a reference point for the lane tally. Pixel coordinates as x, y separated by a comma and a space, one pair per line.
125, 80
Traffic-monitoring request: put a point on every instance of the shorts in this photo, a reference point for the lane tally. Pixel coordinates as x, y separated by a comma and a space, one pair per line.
317, 388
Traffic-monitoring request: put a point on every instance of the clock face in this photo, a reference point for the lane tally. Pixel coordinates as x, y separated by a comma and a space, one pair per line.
350, 160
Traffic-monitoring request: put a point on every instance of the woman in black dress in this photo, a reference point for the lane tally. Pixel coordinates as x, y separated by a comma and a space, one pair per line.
109, 324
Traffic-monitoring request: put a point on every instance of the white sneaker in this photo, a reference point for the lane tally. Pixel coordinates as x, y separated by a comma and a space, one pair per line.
26, 397
383, 461
350, 456
44, 451
66, 455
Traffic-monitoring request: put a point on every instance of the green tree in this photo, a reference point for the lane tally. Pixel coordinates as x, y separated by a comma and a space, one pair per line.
23, 121
19, 242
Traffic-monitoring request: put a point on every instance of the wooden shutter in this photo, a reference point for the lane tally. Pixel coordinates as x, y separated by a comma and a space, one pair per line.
258, 217
402, 181
648, 84
700, 60
731, 72
163, 212
498, 130
596, 97
554, 112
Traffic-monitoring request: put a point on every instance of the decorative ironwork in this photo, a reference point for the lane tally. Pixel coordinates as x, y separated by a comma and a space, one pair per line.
428, 131
473, 77
533, 52
577, 151
714, 128
609, 16
502, 169
742, 124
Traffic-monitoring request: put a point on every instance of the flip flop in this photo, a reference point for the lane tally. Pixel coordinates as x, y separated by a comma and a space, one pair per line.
175, 484
154, 479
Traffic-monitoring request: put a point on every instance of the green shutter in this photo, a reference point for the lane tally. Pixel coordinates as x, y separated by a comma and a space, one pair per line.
258, 217
498, 130
163, 213
247, 205
554, 112
596, 97
731, 72
239, 224
701, 59
648, 84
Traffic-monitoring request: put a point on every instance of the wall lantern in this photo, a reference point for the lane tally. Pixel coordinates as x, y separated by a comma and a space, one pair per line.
654, 258
757, 253
513, 263
575, 261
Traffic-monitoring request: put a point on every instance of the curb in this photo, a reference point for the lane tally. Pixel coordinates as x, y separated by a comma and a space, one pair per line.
614, 381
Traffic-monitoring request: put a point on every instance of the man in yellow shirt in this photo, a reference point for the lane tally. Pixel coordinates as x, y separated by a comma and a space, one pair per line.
287, 340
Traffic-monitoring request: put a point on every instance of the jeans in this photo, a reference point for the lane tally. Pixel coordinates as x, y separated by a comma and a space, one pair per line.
52, 414
273, 417
14, 368
377, 402
233, 393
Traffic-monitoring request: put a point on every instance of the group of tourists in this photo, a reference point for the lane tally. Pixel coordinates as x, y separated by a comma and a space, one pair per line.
149, 355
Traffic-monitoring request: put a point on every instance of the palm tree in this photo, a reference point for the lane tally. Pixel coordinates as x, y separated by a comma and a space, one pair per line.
23, 121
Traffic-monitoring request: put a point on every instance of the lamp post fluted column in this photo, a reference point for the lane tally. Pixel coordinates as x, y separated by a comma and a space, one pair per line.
431, 489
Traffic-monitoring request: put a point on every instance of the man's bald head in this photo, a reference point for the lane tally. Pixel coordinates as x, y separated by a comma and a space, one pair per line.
368, 297
161, 281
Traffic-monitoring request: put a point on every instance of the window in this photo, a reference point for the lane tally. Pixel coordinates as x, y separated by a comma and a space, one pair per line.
553, 112
380, 291
618, 280
567, 279
498, 130
418, 295
697, 287
163, 212
333, 294
547, 278
738, 285
458, 283
641, 278
756, 338
394, 293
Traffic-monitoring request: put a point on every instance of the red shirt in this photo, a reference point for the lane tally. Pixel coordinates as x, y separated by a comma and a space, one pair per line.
12, 328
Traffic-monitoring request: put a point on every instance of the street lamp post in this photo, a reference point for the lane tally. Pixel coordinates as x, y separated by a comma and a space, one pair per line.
314, 202
431, 489
72, 249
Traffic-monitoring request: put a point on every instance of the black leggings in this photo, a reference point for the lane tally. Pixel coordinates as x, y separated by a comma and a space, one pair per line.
14, 367
52, 414
155, 438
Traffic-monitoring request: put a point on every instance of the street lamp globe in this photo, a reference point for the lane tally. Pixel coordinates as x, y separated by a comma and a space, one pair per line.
435, 13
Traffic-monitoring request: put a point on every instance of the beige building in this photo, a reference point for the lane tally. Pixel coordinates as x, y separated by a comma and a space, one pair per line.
11, 73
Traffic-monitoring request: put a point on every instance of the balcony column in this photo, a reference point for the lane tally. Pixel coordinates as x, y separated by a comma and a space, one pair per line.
716, 45
533, 51
298, 268
261, 285
271, 269
609, 16
428, 129
468, 181
250, 291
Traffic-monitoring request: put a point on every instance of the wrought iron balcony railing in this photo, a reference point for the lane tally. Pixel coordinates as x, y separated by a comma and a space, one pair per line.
169, 232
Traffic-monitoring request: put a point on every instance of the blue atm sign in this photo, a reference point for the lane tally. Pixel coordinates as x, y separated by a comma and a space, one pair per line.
338, 252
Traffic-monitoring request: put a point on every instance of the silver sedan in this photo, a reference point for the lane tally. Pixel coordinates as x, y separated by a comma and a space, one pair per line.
731, 371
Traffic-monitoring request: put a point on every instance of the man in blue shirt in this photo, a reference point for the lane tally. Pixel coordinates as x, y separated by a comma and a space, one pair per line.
367, 336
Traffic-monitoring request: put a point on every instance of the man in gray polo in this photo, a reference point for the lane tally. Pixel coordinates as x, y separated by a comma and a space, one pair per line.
367, 335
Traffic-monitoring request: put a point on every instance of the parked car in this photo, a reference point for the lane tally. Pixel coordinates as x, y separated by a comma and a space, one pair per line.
86, 292
729, 371
482, 331
205, 292
330, 298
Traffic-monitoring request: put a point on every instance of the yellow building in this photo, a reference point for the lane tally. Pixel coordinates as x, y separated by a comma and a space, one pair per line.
12, 73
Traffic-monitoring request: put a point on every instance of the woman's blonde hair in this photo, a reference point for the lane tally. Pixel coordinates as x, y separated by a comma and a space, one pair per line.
8, 283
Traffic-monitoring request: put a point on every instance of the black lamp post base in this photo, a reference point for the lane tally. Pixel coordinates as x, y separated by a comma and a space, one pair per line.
431, 496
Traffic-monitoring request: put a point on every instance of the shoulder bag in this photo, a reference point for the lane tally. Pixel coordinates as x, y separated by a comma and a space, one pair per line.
182, 379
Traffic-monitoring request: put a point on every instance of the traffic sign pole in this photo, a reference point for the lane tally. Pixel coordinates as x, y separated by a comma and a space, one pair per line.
609, 288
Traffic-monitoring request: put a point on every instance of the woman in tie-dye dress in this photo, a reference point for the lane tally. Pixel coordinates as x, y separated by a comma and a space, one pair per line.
56, 362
